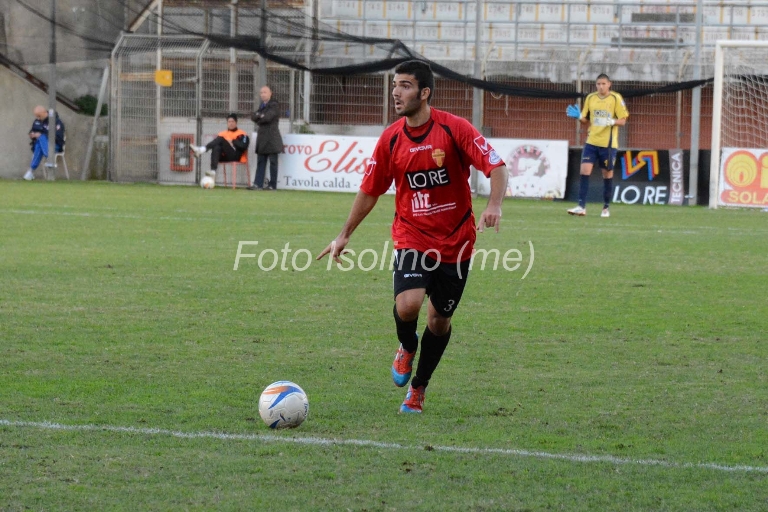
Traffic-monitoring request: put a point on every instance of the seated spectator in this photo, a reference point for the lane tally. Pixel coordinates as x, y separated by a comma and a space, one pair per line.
229, 146
39, 139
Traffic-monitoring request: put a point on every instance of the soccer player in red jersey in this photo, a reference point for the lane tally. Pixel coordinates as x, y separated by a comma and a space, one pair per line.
427, 154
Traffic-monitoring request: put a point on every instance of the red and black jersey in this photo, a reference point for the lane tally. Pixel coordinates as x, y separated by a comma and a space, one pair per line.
430, 167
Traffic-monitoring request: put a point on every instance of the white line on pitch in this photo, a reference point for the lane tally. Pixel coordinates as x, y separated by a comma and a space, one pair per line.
319, 441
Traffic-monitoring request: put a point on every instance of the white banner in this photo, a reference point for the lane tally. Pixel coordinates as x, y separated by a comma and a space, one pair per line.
330, 163
537, 168
327, 163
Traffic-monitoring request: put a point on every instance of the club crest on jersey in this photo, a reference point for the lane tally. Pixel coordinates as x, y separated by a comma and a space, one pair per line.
438, 156
483, 145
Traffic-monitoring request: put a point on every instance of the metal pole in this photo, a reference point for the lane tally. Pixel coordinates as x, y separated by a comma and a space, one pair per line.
94, 127
233, 81
263, 35
256, 86
51, 160
717, 111
693, 172
477, 94
313, 9
199, 105
158, 88
579, 71
115, 116
385, 90
291, 99
679, 94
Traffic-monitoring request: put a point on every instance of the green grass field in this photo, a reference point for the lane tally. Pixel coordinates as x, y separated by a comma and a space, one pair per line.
627, 371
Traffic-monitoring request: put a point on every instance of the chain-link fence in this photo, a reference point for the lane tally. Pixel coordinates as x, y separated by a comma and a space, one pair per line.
153, 126
546, 45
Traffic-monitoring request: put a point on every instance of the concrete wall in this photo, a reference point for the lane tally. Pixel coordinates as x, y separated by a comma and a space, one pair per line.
28, 35
25, 37
18, 99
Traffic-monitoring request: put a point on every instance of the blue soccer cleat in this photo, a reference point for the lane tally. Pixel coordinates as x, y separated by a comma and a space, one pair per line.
402, 367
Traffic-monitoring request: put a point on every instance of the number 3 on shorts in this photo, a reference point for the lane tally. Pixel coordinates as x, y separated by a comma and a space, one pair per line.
448, 308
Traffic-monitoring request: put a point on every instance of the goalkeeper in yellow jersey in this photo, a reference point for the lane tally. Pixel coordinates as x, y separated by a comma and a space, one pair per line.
605, 111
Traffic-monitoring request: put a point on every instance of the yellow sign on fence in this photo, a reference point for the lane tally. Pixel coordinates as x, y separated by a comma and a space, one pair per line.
164, 77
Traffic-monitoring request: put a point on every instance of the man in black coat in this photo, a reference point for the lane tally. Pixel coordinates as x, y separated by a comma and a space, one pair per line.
269, 143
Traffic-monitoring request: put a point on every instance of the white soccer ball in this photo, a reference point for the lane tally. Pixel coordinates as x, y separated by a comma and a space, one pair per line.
283, 404
207, 182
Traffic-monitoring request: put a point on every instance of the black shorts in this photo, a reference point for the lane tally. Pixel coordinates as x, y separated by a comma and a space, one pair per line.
444, 282
605, 158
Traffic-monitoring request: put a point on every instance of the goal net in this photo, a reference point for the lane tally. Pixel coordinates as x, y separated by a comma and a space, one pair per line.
739, 165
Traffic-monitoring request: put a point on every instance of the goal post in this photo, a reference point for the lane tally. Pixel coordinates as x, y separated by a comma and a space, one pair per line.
738, 173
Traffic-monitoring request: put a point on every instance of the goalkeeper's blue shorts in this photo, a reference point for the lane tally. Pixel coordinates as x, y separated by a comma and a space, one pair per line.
605, 158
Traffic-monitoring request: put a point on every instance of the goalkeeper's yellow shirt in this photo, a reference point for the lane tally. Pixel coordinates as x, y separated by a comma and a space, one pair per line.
599, 111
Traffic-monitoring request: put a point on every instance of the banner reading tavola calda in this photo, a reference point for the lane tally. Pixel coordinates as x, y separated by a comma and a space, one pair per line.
326, 163
743, 178
537, 168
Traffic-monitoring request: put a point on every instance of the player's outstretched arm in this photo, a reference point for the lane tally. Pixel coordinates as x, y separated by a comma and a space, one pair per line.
491, 216
362, 206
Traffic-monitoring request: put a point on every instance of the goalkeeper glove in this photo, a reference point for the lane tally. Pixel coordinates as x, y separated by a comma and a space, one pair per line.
573, 111
603, 121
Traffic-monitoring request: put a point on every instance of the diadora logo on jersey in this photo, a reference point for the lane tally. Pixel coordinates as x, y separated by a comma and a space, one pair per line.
419, 180
420, 148
493, 157
371, 165
483, 145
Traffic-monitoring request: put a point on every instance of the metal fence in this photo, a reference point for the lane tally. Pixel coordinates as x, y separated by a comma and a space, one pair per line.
209, 82
557, 46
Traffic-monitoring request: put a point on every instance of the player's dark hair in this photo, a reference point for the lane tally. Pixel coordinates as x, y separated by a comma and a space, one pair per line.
421, 71
602, 75
232, 116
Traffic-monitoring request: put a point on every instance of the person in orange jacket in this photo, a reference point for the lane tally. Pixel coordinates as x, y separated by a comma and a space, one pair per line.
229, 146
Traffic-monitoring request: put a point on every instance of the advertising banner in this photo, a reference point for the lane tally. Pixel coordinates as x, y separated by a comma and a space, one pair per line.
537, 168
743, 178
330, 163
676, 177
645, 177
639, 177
326, 163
